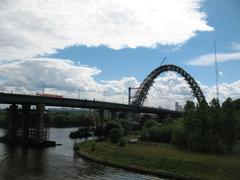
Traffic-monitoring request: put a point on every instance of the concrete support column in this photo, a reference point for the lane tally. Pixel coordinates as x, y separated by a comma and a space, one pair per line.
40, 135
163, 116
101, 115
25, 121
12, 122
123, 115
113, 115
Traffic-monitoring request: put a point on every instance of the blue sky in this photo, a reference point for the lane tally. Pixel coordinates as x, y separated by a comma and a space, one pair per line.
103, 47
223, 15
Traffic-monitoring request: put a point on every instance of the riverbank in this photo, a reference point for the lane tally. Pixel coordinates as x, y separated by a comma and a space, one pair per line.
162, 160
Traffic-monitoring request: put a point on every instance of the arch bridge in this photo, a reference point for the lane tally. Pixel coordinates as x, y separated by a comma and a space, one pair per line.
141, 94
35, 133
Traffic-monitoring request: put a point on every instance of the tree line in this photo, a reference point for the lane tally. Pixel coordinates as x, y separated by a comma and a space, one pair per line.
209, 128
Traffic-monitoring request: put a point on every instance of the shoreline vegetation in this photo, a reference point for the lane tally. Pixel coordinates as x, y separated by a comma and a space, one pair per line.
203, 144
59, 119
161, 159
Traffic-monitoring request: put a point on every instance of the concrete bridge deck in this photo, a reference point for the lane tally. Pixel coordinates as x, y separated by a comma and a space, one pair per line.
9, 98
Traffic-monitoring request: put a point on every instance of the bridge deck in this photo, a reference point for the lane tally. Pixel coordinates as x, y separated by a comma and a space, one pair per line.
8, 98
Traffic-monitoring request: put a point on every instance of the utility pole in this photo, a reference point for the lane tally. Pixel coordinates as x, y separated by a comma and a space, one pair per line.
43, 87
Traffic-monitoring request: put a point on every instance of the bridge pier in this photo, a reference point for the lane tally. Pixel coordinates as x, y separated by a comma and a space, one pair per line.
123, 115
25, 122
113, 115
40, 134
12, 123
101, 115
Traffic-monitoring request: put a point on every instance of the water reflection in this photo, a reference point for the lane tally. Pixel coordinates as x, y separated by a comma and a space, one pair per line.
58, 163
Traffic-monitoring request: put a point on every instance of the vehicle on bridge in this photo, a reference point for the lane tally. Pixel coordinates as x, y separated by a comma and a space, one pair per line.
50, 95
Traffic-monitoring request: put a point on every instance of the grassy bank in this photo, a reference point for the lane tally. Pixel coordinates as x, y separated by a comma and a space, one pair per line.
165, 158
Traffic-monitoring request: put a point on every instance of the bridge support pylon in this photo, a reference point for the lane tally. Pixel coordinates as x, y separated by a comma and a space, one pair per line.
101, 119
25, 122
40, 133
12, 123
113, 115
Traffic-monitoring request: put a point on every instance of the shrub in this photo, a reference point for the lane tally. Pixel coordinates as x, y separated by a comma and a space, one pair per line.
122, 142
93, 146
99, 131
115, 134
110, 125
179, 137
125, 125
150, 123
144, 134
160, 134
76, 147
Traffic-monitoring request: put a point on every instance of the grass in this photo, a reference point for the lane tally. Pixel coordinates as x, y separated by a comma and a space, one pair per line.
165, 157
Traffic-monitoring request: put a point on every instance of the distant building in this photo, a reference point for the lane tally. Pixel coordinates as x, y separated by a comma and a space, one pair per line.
178, 107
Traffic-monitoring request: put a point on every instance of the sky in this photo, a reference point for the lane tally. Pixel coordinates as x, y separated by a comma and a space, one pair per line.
99, 48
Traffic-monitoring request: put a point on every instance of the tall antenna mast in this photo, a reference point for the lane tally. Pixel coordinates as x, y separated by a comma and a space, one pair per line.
216, 69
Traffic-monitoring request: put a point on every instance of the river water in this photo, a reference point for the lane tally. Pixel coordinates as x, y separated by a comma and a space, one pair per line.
55, 163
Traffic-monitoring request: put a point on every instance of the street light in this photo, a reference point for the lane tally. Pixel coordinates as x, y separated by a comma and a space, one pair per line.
43, 86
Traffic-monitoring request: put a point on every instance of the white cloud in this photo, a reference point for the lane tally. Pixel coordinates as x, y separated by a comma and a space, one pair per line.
31, 28
235, 46
225, 90
209, 59
57, 73
170, 88
60, 76
63, 77
120, 86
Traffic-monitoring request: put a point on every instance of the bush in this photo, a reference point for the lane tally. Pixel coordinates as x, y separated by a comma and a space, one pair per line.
150, 123
76, 147
144, 134
110, 125
99, 131
122, 142
160, 134
125, 125
115, 134
93, 146
179, 134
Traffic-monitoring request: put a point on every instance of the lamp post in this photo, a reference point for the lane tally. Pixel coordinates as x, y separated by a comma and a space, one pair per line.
43, 86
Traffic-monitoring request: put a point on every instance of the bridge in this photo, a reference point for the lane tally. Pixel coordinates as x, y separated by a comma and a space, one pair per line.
28, 130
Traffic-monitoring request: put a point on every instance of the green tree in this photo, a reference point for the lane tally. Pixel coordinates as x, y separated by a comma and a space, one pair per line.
230, 123
110, 125
115, 134
125, 124
150, 123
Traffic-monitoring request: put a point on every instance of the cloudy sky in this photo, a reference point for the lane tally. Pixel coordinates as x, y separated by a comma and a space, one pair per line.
102, 47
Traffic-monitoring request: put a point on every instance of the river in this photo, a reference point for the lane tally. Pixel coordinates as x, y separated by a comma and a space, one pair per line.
55, 163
